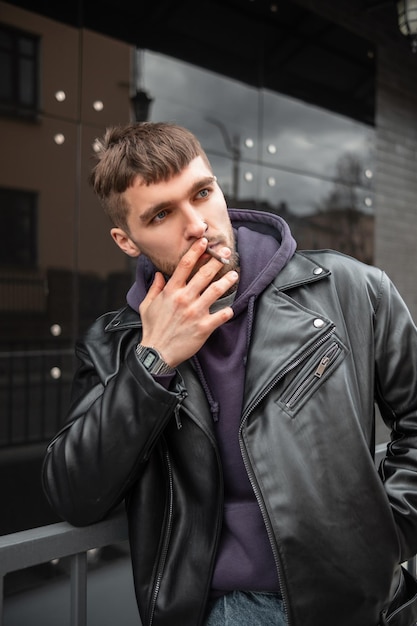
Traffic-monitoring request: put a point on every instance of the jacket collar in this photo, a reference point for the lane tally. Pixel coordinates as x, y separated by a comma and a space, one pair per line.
123, 319
300, 270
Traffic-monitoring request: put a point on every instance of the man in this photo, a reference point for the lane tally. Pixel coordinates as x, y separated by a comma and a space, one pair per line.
231, 405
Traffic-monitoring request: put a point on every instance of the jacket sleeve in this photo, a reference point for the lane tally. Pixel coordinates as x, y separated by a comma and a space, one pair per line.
110, 432
396, 375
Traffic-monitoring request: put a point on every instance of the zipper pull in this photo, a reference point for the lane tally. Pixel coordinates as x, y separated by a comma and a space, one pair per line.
214, 409
181, 398
322, 366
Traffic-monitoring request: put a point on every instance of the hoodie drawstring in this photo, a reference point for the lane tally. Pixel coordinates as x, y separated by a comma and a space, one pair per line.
214, 406
249, 326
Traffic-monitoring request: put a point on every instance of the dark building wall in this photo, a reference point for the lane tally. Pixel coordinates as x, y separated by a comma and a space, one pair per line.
396, 136
396, 215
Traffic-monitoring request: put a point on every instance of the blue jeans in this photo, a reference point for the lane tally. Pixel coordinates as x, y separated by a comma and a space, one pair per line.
246, 608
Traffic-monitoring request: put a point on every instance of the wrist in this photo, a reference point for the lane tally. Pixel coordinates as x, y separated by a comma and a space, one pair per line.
152, 360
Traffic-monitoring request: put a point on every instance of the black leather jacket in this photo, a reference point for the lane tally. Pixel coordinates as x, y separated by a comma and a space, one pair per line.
331, 335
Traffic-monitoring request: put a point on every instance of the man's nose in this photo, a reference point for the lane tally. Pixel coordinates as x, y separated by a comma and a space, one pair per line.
195, 226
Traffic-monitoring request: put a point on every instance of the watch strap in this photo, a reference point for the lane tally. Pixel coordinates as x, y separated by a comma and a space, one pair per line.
153, 361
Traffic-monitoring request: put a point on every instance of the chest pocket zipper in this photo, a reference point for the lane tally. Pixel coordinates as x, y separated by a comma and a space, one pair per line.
313, 375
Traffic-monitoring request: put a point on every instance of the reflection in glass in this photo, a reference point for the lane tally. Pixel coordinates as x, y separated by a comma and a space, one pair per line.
312, 166
268, 151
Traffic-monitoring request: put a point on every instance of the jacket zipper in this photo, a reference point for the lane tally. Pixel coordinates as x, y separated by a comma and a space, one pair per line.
183, 394
164, 551
288, 369
181, 397
269, 530
324, 363
248, 467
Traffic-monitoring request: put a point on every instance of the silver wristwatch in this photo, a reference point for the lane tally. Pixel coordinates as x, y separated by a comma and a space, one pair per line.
152, 360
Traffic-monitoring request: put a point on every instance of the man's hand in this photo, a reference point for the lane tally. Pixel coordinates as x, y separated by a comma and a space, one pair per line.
175, 314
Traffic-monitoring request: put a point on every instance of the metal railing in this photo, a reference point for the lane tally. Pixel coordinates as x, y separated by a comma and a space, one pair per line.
40, 545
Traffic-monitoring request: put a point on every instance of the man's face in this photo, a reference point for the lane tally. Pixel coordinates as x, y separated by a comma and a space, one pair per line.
165, 218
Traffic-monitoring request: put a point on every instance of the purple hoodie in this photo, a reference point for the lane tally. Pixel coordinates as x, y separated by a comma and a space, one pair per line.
265, 245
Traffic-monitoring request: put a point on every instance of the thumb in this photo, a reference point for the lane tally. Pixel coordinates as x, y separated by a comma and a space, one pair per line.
155, 289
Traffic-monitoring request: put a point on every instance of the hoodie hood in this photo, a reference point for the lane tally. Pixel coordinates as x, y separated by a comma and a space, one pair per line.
265, 244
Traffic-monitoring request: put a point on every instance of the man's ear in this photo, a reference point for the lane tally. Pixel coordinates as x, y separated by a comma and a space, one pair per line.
124, 242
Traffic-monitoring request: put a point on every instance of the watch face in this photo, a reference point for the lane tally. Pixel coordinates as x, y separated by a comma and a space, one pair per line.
149, 359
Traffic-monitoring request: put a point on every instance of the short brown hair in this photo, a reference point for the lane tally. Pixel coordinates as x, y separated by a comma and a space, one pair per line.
155, 151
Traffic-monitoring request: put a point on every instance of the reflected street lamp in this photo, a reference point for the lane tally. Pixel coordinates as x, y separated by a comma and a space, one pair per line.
141, 103
140, 100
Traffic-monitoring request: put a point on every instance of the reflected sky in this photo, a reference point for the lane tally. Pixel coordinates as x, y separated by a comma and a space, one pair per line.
267, 147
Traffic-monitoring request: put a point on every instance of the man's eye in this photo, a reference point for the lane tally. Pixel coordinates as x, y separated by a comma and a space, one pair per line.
159, 216
203, 193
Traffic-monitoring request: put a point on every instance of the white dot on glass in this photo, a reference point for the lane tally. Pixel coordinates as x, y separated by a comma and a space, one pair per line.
271, 148
271, 181
368, 201
369, 173
249, 142
98, 105
59, 139
55, 373
60, 96
248, 176
56, 330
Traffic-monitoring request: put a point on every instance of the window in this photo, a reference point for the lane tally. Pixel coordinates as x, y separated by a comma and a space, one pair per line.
18, 233
19, 68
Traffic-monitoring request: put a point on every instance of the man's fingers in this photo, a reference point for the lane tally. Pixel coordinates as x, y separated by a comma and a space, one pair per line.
189, 273
218, 288
222, 316
155, 289
188, 262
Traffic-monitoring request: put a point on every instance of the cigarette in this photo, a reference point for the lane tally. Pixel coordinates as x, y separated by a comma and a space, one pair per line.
217, 256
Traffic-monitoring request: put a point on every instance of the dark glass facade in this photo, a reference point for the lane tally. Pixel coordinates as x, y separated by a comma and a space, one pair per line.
273, 151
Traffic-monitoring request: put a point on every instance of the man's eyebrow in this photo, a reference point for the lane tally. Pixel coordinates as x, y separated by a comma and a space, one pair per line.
153, 210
